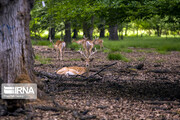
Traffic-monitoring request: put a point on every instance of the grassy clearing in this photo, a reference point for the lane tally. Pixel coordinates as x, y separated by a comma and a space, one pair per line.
42, 43
42, 60
159, 43
117, 56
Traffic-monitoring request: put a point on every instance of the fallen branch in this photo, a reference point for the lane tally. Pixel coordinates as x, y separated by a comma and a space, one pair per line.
48, 75
48, 108
163, 71
97, 73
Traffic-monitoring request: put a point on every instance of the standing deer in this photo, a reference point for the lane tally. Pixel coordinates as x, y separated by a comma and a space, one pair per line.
59, 46
99, 42
87, 44
75, 70
80, 42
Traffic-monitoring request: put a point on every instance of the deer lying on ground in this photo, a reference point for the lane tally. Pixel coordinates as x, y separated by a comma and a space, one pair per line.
99, 42
75, 70
59, 46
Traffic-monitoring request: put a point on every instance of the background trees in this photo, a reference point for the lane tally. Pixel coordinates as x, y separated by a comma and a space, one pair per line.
71, 17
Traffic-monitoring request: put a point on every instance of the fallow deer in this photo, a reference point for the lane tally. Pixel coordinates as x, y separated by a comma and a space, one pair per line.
80, 42
75, 70
59, 46
99, 42
88, 46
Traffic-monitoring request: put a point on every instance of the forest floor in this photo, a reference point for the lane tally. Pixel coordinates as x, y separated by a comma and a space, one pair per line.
146, 87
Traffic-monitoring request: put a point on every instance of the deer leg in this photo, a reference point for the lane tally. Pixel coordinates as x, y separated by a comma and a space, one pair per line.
58, 54
102, 46
61, 54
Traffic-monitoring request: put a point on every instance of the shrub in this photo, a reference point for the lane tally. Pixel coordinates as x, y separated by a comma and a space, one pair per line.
74, 46
117, 56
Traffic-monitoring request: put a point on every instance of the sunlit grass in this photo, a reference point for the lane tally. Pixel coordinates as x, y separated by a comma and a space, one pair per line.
41, 43
159, 43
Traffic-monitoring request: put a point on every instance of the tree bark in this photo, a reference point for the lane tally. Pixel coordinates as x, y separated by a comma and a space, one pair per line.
113, 32
102, 31
75, 33
51, 33
16, 53
126, 29
88, 28
67, 37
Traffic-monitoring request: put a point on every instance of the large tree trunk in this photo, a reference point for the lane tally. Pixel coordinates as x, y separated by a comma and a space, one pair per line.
113, 33
16, 53
88, 28
67, 37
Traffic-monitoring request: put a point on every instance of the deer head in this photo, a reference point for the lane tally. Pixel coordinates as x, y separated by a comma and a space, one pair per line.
88, 58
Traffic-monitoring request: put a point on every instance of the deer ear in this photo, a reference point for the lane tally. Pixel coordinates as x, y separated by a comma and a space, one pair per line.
82, 59
91, 59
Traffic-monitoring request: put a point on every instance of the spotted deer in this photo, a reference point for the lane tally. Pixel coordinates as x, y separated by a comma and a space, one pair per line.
99, 42
59, 46
88, 45
75, 70
80, 42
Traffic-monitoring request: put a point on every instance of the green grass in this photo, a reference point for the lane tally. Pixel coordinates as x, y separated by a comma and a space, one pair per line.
117, 56
42, 59
42, 43
159, 43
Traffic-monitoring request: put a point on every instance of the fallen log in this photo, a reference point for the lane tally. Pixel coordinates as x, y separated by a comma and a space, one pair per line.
48, 75
163, 71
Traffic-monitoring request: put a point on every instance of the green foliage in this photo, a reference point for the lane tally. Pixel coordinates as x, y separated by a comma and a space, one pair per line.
42, 59
74, 46
117, 56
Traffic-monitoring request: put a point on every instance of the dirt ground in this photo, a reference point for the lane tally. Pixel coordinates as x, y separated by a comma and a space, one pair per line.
147, 87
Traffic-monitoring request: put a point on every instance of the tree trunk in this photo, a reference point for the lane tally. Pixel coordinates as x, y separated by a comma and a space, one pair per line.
16, 53
88, 28
158, 30
113, 35
51, 33
67, 37
75, 33
102, 31
126, 29
137, 31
